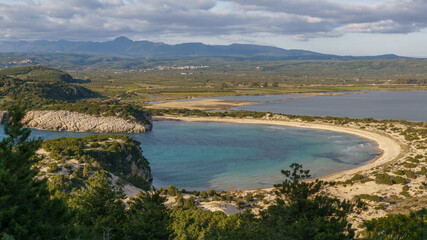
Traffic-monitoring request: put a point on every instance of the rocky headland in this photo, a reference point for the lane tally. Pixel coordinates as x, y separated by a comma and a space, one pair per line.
71, 161
80, 122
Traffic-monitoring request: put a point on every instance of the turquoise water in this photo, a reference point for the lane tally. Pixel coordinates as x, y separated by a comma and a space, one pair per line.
396, 105
225, 156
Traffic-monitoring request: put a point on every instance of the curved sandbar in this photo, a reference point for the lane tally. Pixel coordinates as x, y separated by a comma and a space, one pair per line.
389, 147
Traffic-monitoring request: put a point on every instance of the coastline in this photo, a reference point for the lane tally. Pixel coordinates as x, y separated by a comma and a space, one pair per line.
389, 147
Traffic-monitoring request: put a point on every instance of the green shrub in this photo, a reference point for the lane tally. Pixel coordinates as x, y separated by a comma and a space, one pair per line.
211, 192
249, 197
139, 182
383, 178
405, 193
172, 190
423, 171
397, 226
398, 180
373, 198
409, 165
410, 174
95, 145
216, 198
357, 177
204, 194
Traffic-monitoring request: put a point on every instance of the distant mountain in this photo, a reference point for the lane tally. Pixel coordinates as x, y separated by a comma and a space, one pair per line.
123, 46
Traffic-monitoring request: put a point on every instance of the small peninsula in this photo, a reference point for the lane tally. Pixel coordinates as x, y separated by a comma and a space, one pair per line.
69, 162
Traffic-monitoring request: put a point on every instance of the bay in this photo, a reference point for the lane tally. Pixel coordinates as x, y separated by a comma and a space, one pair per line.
227, 156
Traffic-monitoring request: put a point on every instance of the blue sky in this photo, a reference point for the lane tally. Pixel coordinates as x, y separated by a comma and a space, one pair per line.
344, 27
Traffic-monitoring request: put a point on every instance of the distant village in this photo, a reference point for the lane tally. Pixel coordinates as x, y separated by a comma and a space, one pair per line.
161, 68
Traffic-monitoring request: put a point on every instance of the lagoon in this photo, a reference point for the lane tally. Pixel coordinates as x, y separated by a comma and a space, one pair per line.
396, 105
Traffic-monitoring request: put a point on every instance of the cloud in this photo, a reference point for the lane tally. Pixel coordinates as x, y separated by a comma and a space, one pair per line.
142, 19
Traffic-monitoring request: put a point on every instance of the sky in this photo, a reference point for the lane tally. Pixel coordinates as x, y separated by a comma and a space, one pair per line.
343, 27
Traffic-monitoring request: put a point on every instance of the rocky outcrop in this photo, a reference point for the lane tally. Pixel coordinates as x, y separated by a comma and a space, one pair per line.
79, 122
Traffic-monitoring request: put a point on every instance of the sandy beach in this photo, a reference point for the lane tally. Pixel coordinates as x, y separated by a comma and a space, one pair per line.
395, 152
389, 147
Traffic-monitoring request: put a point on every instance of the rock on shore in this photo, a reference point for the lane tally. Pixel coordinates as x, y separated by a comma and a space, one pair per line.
79, 122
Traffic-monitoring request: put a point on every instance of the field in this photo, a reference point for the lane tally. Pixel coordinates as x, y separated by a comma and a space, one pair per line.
172, 79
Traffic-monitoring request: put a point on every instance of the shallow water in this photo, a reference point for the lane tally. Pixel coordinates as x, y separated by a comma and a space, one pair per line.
396, 105
225, 156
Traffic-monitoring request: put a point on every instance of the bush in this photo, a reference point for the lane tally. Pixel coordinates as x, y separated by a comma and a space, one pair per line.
423, 171
216, 198
357, 177
409, 165
172, 190
249, 197
410, 174
211, 192
405, 188
204, 194
398, 180
139, 182
397, 226
373, 198
383, 178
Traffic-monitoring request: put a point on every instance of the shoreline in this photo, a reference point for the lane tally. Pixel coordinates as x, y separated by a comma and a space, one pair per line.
390, 148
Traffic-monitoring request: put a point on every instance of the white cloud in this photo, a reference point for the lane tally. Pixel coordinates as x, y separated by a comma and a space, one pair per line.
298, 19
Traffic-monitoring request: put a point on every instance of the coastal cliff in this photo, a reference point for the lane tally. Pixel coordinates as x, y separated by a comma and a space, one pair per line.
80, 122
74, 160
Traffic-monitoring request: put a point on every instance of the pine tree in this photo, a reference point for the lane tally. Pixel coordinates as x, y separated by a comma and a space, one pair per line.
148, 218
302, 212
26, 208
99, 208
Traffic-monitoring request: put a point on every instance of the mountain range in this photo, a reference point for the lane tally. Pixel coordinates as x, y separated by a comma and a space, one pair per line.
125, 47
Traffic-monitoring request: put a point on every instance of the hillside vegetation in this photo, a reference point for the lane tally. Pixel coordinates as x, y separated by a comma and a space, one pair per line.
69, 162
38, 86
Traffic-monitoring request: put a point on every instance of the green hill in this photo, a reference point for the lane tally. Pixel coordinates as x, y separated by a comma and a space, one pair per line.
70, 161
36, 86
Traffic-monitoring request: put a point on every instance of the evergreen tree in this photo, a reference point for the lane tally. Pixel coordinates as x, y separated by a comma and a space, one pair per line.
147, 217
302, 212
27, 210
99, 209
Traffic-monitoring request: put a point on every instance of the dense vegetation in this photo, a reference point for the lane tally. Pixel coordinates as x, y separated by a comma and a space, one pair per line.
106, 109
120, 155
26, 210
38, 86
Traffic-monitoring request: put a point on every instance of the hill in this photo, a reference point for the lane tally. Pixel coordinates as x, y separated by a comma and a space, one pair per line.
36, 86
69, 162
123, 46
